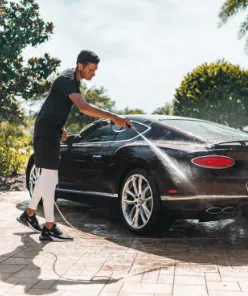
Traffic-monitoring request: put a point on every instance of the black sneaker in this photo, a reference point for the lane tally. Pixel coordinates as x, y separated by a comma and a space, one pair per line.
30, 222
54, 234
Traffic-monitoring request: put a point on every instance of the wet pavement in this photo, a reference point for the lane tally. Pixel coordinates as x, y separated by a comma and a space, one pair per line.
106, 259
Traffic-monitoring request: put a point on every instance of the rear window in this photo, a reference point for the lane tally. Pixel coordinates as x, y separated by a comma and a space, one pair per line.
206, 130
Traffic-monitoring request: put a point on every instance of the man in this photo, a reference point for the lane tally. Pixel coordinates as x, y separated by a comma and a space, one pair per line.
49, 132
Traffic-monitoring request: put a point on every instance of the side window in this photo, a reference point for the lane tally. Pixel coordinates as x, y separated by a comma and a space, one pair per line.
129, 133
99, 132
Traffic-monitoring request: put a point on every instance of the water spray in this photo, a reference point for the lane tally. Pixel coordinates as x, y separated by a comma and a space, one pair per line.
175, 170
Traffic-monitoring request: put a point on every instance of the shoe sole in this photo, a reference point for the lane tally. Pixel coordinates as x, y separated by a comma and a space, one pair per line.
54, 239
28, 225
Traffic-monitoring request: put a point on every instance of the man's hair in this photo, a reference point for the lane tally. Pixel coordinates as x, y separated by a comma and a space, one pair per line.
87, 56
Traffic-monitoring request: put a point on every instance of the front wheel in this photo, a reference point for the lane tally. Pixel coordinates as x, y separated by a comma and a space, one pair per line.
33, 176
140, 202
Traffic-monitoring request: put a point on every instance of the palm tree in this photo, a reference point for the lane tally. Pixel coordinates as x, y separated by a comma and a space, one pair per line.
230, 8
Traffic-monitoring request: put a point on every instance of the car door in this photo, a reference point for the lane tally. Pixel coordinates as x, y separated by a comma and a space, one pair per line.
65, 178
90, 158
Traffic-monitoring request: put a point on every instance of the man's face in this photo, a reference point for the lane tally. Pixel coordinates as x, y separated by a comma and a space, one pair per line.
87, 72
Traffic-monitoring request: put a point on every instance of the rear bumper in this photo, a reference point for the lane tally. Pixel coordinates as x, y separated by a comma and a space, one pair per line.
197, 207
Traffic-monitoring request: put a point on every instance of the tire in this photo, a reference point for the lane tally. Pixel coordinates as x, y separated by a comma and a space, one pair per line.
140, 203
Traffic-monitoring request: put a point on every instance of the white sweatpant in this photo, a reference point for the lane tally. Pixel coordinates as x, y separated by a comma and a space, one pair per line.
45, 188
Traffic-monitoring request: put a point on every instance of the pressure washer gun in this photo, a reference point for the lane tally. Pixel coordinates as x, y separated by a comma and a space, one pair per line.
129, 123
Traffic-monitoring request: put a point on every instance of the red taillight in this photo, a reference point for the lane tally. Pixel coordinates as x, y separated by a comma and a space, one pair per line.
172, 191
213, 162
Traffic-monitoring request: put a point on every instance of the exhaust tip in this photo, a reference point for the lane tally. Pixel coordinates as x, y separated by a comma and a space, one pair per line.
214, 210
218, 210
229, 210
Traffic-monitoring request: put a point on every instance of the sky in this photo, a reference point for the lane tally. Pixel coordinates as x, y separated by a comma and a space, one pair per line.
146, 47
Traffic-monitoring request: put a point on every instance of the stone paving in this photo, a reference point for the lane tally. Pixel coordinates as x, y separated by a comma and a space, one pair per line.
107, 260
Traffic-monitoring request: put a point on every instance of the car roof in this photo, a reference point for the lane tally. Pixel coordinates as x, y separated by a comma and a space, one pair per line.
157, 117
152, 117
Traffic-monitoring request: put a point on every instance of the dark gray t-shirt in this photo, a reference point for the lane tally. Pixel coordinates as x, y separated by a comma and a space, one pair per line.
57, 106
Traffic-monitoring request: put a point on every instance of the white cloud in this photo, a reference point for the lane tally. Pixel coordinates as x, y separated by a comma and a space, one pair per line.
146, 47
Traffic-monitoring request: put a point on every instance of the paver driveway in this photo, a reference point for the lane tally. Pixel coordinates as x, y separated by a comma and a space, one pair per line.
107, 260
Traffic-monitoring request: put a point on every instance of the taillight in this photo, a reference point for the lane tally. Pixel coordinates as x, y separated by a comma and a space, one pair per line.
213, 162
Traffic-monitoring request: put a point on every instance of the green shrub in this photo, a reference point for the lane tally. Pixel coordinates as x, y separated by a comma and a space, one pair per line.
15, 148
215, 92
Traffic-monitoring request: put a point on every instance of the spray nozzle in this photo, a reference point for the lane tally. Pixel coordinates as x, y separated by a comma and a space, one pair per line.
130, 125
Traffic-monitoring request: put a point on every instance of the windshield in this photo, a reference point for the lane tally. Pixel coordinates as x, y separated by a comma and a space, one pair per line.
206, 130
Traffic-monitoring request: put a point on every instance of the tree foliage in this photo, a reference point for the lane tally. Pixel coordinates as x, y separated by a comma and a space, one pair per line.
231, 8
216, 92
15, 148
167, 109
21, 26
131, 111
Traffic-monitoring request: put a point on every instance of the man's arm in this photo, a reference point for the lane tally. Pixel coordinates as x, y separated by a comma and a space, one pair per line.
94, 111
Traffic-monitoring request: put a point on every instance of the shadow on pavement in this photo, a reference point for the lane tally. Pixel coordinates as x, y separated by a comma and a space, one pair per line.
29, 250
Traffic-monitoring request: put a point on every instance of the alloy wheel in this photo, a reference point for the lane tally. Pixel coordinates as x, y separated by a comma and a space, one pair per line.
137, 201
33, 177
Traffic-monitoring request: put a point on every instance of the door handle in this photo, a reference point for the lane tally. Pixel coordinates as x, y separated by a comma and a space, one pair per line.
97, 156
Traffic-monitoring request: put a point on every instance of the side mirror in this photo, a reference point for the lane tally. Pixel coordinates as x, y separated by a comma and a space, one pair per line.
71, 139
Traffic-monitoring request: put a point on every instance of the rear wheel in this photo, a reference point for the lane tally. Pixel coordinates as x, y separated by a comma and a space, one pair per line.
140, 203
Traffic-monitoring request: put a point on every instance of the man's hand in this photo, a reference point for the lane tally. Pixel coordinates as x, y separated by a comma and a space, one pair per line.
122, 121
64, 136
